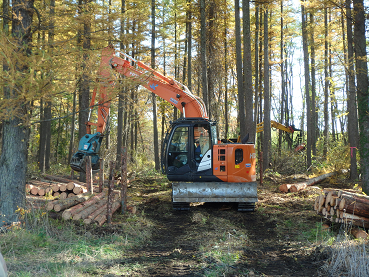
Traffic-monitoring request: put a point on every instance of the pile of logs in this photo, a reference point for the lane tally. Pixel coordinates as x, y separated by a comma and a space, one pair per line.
343, 206
87, 207
58, 190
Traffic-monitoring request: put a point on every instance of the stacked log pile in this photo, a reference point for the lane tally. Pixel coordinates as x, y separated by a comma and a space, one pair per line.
87, 207
343, 206
59, 190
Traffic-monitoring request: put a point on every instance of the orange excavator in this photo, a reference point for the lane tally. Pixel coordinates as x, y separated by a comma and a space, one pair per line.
201, 167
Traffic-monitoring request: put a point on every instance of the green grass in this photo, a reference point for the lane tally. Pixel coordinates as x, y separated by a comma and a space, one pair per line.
59, 248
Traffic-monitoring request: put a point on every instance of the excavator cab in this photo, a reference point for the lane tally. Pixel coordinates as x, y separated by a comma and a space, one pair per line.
187, 150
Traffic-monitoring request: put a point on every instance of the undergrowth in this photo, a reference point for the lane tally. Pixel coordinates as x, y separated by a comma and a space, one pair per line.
42, 246
346, 256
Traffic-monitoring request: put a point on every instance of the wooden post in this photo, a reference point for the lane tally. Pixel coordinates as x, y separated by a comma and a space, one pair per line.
123, 193
89, 185
261, 167
110, 191
101, 175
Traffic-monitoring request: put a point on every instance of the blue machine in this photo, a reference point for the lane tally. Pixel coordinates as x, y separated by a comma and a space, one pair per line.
89, 145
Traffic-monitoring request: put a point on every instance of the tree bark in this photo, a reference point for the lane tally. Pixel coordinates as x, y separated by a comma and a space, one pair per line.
267, 127
240, 90
326, 87
362, 89
204, 67
283, 87
352, 119
84, 88
13, 160
153, 95
247, 65
306, 83
313, 87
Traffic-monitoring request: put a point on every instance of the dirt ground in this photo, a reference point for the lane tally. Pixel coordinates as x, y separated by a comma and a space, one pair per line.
279, 238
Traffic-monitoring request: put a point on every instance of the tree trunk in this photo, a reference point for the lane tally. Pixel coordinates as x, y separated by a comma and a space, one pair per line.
313, 88
226, 116
189, 46
352, 120
153, 95
240, 90
256, 62
84, 89
267, 126
204, 68
307, 83
42, 142
283, 87
247, 65
362, 89
13, 160
211, 59
326, 86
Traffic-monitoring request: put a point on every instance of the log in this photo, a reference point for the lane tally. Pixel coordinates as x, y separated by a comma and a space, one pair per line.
353, 219
55, 188
284, 187
63, 195
316, 203
60, 179
350, 192
48, 190
101, 218
89, 210
78, 189
94, 214
333, 200
70, 186
359, 234
50, 205
41, 192
39, 183
84, 213
68, 213
62, 187
337, 204
59, 205
102, 210
354, 205
320, 203
331, 195
34, 190
302, 185
298, 187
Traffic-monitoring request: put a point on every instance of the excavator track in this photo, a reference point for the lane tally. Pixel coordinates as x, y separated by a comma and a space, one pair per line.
245, 194
181, 206
246, 207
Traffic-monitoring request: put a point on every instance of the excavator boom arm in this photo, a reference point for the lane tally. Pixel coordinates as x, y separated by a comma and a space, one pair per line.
166, 88
274, 124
